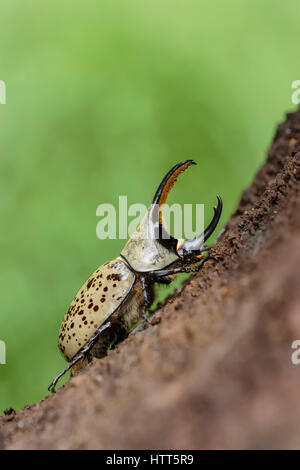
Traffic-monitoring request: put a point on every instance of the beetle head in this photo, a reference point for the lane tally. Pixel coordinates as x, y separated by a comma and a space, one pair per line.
151, 248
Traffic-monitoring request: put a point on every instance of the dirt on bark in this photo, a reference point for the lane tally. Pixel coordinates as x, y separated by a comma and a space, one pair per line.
215, 370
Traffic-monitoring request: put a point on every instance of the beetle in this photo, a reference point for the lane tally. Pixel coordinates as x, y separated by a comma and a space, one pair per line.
119, 292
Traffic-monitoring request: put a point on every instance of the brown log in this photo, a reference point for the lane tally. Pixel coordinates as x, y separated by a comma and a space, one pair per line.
215, 371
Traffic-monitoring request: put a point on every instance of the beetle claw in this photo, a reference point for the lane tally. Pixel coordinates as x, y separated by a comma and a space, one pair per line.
146, 320
52, 386
84, 352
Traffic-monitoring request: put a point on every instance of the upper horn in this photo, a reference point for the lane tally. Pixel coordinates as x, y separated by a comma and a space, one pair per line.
167, 183
160, 198
165, 186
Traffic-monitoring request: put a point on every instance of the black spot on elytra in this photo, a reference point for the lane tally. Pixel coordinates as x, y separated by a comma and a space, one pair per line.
90, 283
113, 277
96, 308
105, 289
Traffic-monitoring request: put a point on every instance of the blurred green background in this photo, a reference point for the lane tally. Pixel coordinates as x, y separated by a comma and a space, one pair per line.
103, 97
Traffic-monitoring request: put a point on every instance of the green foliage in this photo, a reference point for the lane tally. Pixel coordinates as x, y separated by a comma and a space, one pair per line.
102, 99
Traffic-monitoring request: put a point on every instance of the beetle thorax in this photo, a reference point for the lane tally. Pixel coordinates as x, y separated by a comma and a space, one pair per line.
144, 251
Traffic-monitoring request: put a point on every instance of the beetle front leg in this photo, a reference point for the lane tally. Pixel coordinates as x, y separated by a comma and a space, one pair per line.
186, 268
81, 355
163, 280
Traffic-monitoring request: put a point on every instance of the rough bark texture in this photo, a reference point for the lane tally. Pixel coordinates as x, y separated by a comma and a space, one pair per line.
215, 371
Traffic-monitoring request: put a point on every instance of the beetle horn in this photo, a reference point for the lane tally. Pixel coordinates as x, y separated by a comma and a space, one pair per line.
196, 243
150, 247
160, 198
169, 180
214, 222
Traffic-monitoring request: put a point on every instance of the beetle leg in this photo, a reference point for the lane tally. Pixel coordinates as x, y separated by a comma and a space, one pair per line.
148, 297
186, 268
163, 280
81, 355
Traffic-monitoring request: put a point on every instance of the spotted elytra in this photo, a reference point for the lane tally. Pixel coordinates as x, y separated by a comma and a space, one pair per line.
120, 291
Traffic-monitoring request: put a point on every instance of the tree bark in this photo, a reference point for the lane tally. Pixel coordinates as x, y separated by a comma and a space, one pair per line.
215, 371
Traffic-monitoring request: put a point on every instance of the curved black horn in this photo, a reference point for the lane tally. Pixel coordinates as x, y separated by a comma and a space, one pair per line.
169, 180
217, 214
160, 198
196, 243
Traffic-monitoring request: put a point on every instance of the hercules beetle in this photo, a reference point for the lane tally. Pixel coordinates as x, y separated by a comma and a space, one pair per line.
120, 291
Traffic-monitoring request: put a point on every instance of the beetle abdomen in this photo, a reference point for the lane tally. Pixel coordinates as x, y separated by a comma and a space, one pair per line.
101, 295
